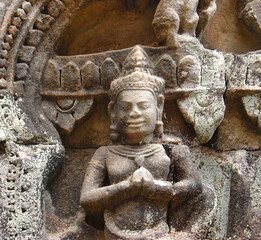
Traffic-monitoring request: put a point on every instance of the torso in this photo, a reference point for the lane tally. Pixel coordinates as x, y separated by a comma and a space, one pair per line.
148, 216
122, 161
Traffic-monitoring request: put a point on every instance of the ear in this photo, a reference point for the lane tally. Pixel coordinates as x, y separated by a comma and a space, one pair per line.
160, 101
111, 111
160, 104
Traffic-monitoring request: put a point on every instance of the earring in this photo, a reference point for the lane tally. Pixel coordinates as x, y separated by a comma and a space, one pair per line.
114, 135
159, 129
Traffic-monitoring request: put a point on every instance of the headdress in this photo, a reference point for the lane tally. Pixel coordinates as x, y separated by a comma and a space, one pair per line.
137, 75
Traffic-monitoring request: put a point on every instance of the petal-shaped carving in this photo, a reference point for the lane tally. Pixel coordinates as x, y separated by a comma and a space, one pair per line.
166, 68
49, 110
205, 111
65, 104
51, 78
44, 21
252, 105
236, 71
55, 7
82, 109
189, 72
70, 77
254, 74
26, 53
137, 60
67, 112
21, 70
66, 122
109, 72
90, 74
34, 37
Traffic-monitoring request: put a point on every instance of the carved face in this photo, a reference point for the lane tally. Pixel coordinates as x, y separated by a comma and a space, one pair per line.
136, 116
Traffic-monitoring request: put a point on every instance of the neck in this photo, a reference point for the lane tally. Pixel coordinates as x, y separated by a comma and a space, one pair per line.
136, 140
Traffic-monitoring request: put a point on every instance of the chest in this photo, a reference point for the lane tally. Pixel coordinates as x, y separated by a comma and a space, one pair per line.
120, 168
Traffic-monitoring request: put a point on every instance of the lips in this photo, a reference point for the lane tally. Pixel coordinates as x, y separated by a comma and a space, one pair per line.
135, 123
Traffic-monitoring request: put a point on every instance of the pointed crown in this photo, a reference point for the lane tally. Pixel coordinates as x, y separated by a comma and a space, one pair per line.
137, 75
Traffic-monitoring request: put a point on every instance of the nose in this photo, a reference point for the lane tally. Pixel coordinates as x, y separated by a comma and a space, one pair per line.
135, 112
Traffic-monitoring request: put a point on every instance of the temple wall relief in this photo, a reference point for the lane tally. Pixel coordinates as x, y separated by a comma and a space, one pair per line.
63, 62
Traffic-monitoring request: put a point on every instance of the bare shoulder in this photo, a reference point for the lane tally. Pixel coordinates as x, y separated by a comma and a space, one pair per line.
180, 151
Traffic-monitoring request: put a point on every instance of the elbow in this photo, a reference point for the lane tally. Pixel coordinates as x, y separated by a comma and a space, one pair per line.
196, 187
86, 202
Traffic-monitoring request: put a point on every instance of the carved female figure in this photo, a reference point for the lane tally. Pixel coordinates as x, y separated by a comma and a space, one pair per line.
127, 185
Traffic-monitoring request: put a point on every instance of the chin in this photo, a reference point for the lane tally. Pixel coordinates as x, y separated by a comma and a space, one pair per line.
138, 137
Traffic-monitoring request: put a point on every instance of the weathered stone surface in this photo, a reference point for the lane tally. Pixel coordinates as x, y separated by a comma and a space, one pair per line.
26, 53
254, 74
252, 105
236, 131
109, 71
131, 27
61, 200
166, 68
93, 132
21, 70
70, 77
19, 88
205, 111
34, 37
55, 7
206, 10
50, 110
44, 21
30, 156
189, 72
3, 6
66, 112
175, 22
90, 74
215, 171
83, 108
3, 83
51, 79
168, 25
250, 14
66, 121
27, 6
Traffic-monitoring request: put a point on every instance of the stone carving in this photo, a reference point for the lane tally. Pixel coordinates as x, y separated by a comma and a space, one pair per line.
204, 107
189, 72
205, 111
67, 112
130, 186
166, 68
109, 71
176, 21
243, 73
249, 13
90, 75
252, 105
28, 31
32, 38
63, 77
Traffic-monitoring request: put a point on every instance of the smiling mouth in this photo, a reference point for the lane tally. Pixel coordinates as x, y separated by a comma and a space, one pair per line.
135, 124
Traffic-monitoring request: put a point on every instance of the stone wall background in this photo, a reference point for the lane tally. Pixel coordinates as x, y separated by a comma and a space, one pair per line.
229, 163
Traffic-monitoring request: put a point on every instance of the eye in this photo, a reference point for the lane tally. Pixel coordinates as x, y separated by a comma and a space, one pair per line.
125, 108
144, 106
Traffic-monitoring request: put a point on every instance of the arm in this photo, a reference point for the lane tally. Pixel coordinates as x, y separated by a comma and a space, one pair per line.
95, 197
188, 183
206, 10
151, 188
